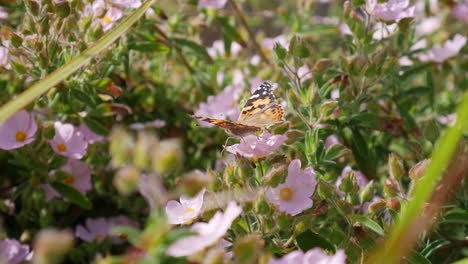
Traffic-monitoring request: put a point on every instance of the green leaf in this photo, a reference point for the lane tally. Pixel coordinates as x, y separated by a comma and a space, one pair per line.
149, 46
230, 31
369, 223
309, 239
19, 190
362, 154
96, 127
366, 120
434, 245
335, 151
198, 49
72, 194
42, 86
456, 218
417, 258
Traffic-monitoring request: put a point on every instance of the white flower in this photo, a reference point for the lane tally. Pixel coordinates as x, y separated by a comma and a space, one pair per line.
208, 233
186, 210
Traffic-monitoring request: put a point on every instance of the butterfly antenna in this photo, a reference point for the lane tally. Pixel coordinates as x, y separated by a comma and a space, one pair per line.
225, 145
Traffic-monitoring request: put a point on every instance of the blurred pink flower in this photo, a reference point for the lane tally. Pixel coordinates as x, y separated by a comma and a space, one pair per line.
127, 3
293, 196
157, 123
304, 73
393, 10
269, 43
331, 140
207, 233
218, 49
18, 130
460, 11
218, 4
450, 49
89, 135
78, 176
14, 252
3, 14
221, 106
68, 141
313, 256
428, 25
4, 60
100, 228
316, 255
295, 256
152, 189
186, 210
113, 14
257, 146
95, 9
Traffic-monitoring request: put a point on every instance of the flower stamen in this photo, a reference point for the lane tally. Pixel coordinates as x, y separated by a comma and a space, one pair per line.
20, 136
286, 194
61, 147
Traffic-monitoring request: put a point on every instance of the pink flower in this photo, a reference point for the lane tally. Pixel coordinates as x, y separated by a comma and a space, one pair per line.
393, 10
304, 73
460, 11
218, 49
362, 181
269, 43
68, 141
113, 14
293, 196
127, 3
100, 228
221, 106
257, 146
3, 56
89, 135
18, 130
14, 252
186, 210
450, 49
428, 25
207, 233
3, 14
218, 4
78, 176
313, 256
332, 139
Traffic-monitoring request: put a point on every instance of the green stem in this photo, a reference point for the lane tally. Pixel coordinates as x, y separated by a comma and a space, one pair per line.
28, 96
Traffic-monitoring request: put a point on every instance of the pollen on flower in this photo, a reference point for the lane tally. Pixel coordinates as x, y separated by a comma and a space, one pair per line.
99, 237
20, 136
69, 180
188, 210
61, 147
286, 194
107, 19
123, 236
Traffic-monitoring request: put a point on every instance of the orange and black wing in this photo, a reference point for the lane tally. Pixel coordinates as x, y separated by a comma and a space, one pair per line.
232, 128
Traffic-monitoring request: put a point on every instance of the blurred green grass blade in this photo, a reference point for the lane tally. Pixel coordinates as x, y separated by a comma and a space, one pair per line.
461, 261
68, 69
442, 154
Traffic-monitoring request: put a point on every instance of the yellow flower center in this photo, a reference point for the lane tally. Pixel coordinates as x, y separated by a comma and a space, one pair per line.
107, 19
69, 180
61, 147
20, 136
188, 210
99, 237
123, 236
286, 194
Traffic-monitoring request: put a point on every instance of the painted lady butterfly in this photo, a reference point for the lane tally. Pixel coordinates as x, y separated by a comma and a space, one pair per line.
259, 112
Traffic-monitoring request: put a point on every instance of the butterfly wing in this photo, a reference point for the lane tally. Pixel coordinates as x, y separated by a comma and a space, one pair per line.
261, 110
232, 128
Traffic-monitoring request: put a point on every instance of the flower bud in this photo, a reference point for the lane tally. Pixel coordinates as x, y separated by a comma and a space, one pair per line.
51, 245
377, 206
275, 176
367, 193
285, 222
263, 207
168, 156
391, 188
32, 7
18, 67
353, 198
16, 40
63, 9
214, 256
193, 182
97, 32
349, 183
395, 167
393, 203
121, 146
347, 9
247, 249
418, 170
144, 145
126, 179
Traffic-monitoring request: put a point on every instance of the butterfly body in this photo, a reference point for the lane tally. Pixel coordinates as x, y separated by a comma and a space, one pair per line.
259, 112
